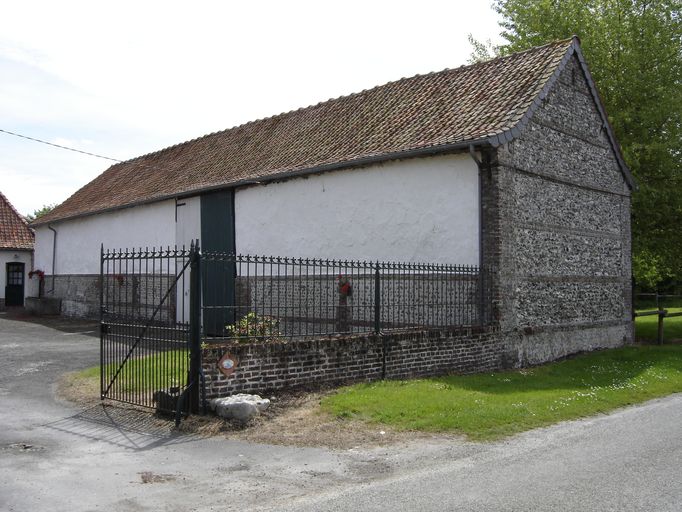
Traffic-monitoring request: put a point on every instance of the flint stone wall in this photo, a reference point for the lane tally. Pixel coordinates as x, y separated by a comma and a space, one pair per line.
533, 346
310, 304
557, 212
133, 296
79, 293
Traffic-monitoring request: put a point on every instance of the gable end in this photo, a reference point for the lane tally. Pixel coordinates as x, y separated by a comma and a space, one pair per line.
573, 50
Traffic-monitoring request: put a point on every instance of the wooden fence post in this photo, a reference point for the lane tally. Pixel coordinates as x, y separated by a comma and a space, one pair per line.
661, 315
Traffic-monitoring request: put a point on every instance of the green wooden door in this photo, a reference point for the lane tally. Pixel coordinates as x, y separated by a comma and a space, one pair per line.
218, 277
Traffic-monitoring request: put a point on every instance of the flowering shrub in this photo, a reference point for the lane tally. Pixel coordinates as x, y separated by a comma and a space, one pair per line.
252, 326
40, 274
345, 287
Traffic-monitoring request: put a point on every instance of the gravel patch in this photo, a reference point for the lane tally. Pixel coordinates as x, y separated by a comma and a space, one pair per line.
293, 419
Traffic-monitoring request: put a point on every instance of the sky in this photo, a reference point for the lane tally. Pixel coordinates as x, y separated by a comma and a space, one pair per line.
123, 78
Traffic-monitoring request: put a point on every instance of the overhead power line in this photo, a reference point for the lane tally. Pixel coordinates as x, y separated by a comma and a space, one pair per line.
60, 146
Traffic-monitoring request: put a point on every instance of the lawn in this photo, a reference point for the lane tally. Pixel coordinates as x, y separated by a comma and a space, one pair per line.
491, 406
153, 372
646, 327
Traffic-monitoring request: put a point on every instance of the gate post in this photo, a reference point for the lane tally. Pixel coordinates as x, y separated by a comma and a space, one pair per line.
377, 299
102, 328
194, 377
481, 297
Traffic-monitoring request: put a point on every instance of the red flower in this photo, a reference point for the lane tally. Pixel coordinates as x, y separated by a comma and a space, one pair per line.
345, 288
39, 273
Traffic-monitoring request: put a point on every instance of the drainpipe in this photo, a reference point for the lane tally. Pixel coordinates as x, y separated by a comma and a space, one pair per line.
480, 165
481, 295
54, 253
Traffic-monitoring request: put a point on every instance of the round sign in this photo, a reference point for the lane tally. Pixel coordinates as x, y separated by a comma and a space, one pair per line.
227, 364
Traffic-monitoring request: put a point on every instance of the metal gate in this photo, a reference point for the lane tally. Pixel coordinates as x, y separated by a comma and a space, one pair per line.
150, 333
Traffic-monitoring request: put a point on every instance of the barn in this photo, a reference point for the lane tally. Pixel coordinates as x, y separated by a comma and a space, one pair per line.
509, 164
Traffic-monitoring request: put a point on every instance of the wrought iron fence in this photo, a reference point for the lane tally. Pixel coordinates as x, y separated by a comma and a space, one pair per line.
158, 305
263, 298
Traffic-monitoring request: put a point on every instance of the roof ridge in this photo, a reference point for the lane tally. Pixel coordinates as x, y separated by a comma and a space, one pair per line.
344, 96
558, 42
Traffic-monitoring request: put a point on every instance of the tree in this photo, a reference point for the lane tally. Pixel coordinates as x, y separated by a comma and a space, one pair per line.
634, 49
46, 208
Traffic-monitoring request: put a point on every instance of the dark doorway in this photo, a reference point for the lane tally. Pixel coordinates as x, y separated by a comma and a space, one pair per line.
14, 289
218, 277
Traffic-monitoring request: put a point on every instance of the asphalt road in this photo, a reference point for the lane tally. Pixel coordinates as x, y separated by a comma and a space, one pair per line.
55, 457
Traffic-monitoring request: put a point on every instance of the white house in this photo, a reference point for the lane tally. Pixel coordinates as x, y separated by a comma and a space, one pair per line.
16, 256
510, 163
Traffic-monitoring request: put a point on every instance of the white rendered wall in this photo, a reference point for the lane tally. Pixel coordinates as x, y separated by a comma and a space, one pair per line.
423, 209
188, 225
30, 285
78, 240
187, 228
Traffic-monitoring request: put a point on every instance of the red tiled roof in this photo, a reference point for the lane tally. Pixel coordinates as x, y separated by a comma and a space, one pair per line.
454, 107
14, 231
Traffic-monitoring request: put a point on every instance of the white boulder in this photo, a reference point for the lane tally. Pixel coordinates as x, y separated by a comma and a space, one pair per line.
241, 407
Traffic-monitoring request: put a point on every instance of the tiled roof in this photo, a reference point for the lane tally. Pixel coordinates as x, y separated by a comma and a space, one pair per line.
14, 231
485, 102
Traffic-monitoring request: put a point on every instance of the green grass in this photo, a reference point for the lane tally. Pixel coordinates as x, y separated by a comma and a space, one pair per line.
154, 372
646, 327
491, 406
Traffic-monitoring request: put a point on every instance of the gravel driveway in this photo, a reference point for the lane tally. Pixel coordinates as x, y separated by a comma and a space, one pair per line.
54, 456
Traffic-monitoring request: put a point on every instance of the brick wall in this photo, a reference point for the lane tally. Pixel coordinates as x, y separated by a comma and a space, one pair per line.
337, 360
